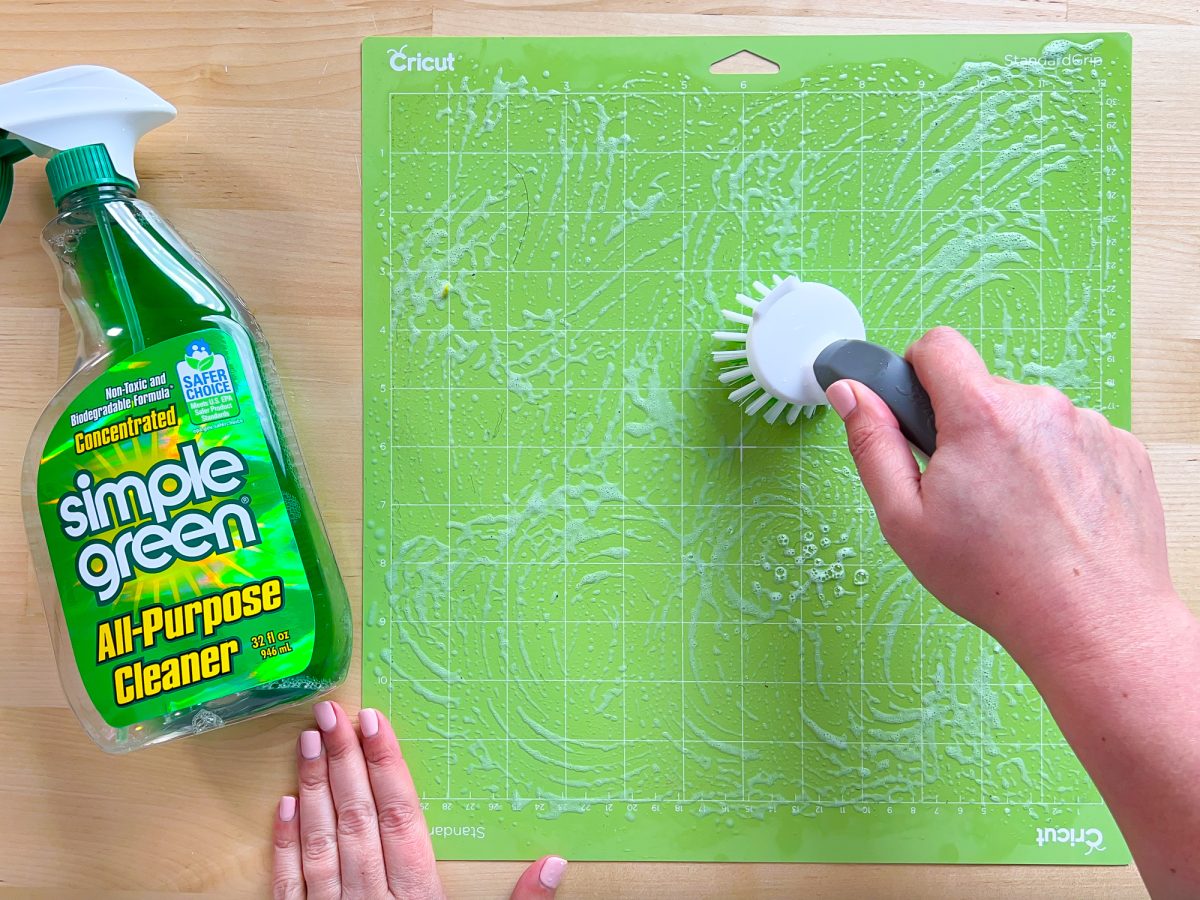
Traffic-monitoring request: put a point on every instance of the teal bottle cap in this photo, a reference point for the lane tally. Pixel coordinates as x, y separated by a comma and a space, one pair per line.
80, 167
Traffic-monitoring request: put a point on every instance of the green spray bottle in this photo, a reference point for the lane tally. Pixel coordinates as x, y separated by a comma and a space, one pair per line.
186, 574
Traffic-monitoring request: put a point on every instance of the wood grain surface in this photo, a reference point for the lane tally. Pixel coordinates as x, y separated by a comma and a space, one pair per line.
261, 173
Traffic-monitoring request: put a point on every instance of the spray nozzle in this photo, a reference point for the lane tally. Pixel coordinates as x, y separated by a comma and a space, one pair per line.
77, 106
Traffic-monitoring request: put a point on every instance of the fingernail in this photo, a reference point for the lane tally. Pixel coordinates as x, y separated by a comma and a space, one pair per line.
287, 809
310, 744
841, 397
552, 872
368, 721
326, 717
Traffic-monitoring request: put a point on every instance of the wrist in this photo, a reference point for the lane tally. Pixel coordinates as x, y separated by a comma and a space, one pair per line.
1102, 630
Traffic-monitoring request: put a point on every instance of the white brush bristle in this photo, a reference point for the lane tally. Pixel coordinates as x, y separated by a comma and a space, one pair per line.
758, 403
752, 394
731, 375
723, 356
745, 391
773, 413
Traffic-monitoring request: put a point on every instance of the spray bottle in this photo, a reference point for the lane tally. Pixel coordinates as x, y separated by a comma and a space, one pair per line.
186, 574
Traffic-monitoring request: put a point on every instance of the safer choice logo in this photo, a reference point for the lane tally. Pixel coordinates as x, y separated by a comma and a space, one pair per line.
207, 383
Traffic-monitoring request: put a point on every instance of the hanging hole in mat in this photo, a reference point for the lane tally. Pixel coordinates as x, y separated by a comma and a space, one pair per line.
744, 62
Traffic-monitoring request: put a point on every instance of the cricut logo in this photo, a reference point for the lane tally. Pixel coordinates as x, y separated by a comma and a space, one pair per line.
400, 61
1092, 838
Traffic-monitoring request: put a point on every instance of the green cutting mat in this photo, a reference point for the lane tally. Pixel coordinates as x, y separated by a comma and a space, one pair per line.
611, 616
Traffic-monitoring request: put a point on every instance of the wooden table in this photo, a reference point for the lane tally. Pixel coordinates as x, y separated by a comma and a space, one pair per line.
261, 173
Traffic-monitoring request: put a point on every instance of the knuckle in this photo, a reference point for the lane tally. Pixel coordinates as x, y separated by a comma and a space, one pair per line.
285, 843
935, 340
940, 334
983, 394
387, 756
863, 440
313, 779
399, 818
356, 818
338, 750
319, 848
285, 887
1054, 400
1095, 426
985, 405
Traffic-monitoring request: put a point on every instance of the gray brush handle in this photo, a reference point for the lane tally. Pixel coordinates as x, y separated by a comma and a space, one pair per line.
888, 375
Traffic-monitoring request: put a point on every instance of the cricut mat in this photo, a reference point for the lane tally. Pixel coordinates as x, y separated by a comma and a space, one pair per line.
612, 616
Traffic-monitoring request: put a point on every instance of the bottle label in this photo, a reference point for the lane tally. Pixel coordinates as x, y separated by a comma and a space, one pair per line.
170, 539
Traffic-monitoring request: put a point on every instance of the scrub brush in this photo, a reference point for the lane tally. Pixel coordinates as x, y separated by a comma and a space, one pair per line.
800, 338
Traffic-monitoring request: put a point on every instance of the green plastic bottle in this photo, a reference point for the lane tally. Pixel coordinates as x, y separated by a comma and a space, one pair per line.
186, 574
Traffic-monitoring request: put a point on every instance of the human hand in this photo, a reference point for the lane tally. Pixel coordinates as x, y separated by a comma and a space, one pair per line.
1035, 519
358, 830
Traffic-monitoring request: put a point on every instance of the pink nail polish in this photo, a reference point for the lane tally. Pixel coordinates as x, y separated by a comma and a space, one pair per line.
287, 809
368, 721
310, 744
552, 872
841, 397
326, 717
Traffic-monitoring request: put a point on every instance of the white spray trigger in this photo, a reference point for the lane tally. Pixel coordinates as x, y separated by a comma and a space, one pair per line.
80, 105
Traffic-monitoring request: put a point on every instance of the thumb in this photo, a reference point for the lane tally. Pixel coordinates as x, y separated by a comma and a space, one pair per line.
541, 879
886, 464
